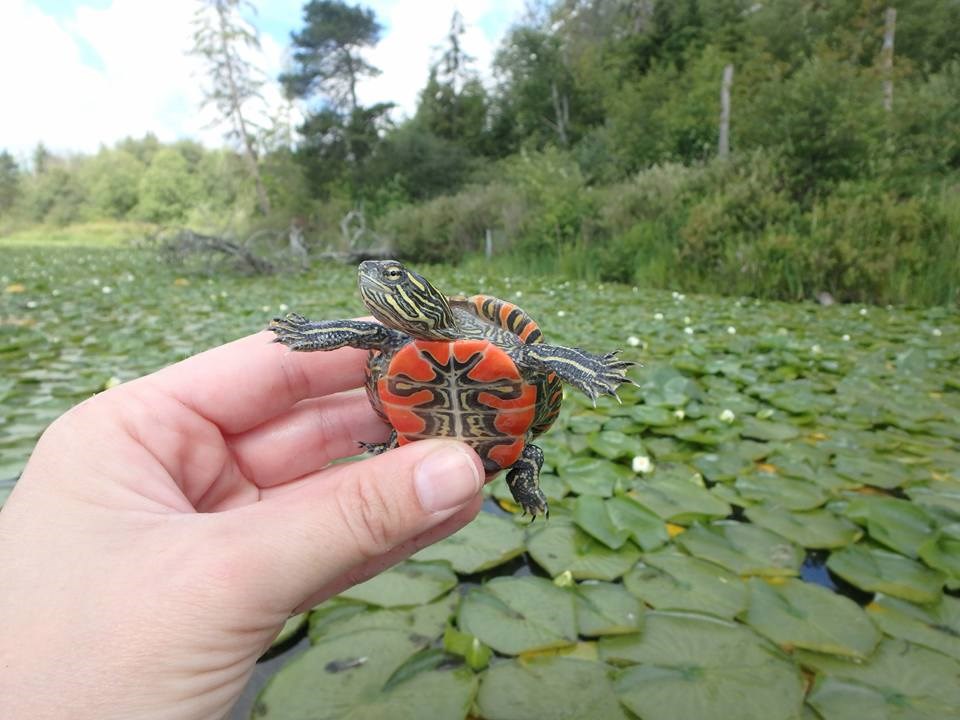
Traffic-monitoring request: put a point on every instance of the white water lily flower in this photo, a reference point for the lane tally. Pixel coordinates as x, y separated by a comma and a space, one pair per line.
937, 332
731, 330
641, 464
781, 331
518, 293
265, 308
679, 414
688, 330
561, 313
283, 307
633, 341
845, 338
816, 349
106, 289
658, 316
31, 304
863, 311
727, 416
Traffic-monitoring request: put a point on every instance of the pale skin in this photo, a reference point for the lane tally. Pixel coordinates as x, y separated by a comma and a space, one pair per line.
164, 530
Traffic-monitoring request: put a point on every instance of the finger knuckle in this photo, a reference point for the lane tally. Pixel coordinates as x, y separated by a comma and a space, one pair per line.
369, 516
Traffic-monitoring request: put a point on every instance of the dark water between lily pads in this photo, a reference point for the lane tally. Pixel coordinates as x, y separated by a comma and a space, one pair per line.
780, 495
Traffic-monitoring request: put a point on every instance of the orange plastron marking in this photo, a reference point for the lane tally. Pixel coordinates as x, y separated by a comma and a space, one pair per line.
468, 389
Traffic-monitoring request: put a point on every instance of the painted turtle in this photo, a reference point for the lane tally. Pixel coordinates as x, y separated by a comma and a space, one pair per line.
472, 368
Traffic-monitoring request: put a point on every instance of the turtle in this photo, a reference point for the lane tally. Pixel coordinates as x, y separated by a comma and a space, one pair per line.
472, 368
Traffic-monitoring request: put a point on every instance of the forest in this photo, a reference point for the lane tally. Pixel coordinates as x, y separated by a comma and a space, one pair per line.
594, 152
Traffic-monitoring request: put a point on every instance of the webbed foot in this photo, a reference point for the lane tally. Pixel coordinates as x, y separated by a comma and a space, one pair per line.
523, 481
594, 375
377, 448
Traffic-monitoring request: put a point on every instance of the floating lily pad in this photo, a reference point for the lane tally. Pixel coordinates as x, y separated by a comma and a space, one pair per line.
340, 617
607, 609
795, 614
695, 666
561, 547
409, 583
934, 626
742, 548
942, 552
646, 529
671, 580
290, 629
594, 476
811, 529
615, 445
558, 688
767, 430
886, 474
515, 615
784, 492
486, 542
371, 673
898, 524
877, 570
912, 682
679, 495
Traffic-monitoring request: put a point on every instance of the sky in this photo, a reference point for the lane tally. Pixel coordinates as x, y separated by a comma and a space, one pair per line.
78, 74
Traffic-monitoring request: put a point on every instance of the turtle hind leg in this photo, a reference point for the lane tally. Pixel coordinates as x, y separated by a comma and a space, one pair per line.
377, 448
523, 479
594, 375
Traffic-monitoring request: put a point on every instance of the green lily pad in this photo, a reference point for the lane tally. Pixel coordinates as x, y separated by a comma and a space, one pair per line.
795, 614
558, 688
653, 416
290, 628
695, 666
671, 580
515, 615
679, 495
474, 653
934, 626
561, 547
886, 474
590, 515
767, 430
371, 673
409, 583
486, 542
877, 570
810, 529
607, 609
646, 529
742, 548
784, 492
594, 476
912, 682
942, 552
615, 445
898, 524
340, 617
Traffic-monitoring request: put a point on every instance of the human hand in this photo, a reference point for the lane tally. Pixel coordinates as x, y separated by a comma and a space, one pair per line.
164, 530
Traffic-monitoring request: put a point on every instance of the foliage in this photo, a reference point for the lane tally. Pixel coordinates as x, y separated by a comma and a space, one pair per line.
685, 562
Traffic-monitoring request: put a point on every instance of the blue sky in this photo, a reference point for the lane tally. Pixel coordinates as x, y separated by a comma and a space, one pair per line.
82, 73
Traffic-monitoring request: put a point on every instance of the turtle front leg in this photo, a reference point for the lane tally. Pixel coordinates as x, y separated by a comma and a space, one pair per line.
594, 375
298, 333
523, 479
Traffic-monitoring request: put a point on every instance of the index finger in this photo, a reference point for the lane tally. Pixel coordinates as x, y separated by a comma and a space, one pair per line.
245, 382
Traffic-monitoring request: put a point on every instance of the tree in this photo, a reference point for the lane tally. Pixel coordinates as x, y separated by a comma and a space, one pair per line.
167, 189
326, 54
220, 38
9, 181
341, 135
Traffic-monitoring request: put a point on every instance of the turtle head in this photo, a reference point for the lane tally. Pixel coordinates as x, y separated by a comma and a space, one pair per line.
406, 301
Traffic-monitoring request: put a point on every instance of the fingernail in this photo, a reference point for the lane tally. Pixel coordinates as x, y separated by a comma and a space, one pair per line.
445, 479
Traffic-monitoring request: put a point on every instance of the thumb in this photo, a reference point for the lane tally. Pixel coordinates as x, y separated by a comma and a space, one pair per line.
351, 521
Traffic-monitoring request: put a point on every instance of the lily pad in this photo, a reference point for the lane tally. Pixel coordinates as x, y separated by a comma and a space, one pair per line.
558, 688
742, 548
615, 445
371, 673
561, 547
594, 476
942, 552
290, 629
409, 583
590, 515
912, 682
515, 615
877, 570
784, 492
671, 580
898, 524
607, 609
811, 529
886, 474
646, 529
339, 617
695, 666
795, 614
934, 626
678, 494
486, 542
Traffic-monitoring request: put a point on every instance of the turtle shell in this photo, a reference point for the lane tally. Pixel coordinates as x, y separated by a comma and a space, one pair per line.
466, 389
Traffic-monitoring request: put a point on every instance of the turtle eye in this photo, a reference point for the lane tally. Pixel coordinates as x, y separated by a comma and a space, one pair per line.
392, 274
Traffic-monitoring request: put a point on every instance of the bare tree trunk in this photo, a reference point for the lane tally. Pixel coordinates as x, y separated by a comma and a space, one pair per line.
249, 151
561, 110
889, 29
723, 149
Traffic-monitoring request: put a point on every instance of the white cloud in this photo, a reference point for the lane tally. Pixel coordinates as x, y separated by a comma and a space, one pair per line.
145, 82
